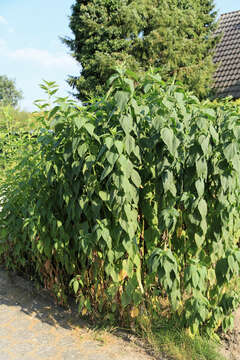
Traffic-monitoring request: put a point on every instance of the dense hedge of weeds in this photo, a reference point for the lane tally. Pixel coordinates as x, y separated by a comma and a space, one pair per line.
16, 132
131, 204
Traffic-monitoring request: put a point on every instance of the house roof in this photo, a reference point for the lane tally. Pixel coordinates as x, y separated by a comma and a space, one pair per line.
227, 55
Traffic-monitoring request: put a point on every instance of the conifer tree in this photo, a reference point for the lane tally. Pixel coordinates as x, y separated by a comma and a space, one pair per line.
172, 35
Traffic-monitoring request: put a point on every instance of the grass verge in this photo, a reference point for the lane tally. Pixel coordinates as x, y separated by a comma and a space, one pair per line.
172, 341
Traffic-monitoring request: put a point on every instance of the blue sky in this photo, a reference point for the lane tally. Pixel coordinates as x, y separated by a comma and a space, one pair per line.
30, 48
224, 6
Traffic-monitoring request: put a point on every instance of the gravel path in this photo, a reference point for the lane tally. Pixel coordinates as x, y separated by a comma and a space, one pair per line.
231, 340
33, 328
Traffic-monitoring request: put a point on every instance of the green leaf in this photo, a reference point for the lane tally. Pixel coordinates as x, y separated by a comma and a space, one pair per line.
107, 237
136, 178
214, 134
201, 167
131, 213
79, 122
122, 98
75, 286
125, 299
170, 140
230, 151
168, 183
111, 157
199, 240
136, 152
126, 165
53, 112
103, 195
221, 270
129, 144
130, 190
202, 312
180, 98
112, 78
128, 245
106, 172
108, 142
130, 83
204, 143
236, 131
236, 163
195, 277
231, 263
90, 128
82, 149
199, 184
202, 207
119, 146
127, 124
210, 113
169, 218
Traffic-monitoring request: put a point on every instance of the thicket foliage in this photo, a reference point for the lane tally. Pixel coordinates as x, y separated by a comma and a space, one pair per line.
134, 202
16, 129
9, 95
174, 36
14, 120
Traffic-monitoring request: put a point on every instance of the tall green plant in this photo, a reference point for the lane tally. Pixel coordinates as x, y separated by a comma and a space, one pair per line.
133, 201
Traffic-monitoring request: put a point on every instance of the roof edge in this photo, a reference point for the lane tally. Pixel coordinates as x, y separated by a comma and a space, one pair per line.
231, 12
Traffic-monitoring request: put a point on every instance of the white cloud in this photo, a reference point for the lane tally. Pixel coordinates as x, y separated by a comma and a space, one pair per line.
39, 57
43, 57
3, 20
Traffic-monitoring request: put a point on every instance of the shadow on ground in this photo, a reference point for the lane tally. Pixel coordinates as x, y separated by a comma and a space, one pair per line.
32, 326
16, 291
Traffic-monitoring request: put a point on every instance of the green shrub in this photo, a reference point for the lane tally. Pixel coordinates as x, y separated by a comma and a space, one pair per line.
16, 129
15, 119
133, 201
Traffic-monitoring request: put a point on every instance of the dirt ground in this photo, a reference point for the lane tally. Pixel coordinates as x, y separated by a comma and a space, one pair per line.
231, 340
23, 309
33, 327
